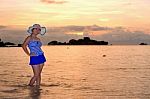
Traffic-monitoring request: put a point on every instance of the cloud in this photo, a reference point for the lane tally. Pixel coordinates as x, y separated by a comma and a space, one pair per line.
118, 35
73, 29
121, 35
53, 33
1, 26
53, 1
80, 28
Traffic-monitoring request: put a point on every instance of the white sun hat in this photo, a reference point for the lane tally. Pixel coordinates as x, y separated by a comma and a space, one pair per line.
43, 29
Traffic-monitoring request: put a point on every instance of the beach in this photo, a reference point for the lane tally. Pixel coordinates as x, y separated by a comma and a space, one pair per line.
78, 72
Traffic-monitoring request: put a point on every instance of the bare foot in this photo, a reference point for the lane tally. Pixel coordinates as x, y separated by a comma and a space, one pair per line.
30, 85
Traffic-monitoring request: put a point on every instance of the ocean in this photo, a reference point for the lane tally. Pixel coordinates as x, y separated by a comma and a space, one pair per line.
78, 72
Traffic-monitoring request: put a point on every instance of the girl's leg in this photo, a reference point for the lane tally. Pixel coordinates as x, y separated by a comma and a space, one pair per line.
38, 82
36, 72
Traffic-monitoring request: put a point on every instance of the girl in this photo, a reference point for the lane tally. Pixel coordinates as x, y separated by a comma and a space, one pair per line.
36, 54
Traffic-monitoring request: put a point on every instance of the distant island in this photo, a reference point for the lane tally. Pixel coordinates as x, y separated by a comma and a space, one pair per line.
8, 44
84, 41
143, 44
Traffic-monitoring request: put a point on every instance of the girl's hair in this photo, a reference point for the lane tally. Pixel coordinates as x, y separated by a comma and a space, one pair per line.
32, 29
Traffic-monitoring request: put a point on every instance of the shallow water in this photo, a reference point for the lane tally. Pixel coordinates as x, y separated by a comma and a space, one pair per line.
78, 72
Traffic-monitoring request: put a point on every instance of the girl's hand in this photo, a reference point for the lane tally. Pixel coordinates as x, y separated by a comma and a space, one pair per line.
33, 54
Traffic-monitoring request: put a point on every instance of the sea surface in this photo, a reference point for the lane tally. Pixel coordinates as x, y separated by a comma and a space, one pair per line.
78, 72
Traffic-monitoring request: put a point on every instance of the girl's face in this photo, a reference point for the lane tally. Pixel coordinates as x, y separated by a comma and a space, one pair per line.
36, 31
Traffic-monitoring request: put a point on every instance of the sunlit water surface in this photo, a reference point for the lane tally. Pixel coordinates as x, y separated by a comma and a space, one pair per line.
78, 72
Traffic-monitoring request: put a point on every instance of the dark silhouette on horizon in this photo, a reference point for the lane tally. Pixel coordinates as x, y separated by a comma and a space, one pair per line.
143, 44
2, 44
8, 44
84, 41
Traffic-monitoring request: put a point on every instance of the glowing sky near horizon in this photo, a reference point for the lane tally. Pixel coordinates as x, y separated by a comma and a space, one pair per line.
126, 13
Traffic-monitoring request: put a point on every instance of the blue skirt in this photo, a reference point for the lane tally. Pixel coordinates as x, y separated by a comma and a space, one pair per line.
34, 60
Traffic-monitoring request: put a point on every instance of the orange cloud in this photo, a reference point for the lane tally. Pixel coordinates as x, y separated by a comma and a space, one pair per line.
53, 1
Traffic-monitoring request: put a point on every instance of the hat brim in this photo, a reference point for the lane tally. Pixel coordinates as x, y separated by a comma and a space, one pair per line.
43, 30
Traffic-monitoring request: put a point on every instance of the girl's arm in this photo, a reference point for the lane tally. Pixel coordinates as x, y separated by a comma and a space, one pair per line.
24, 45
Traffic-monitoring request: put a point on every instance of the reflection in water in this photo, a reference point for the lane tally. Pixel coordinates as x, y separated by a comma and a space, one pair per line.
34, 92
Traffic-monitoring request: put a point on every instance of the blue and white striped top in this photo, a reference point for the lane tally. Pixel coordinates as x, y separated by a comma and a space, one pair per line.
35, 47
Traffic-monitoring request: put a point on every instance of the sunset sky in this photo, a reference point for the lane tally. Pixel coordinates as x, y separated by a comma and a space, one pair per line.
130, 14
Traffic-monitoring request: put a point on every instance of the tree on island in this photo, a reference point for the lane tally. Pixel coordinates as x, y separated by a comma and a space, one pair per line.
2, 44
